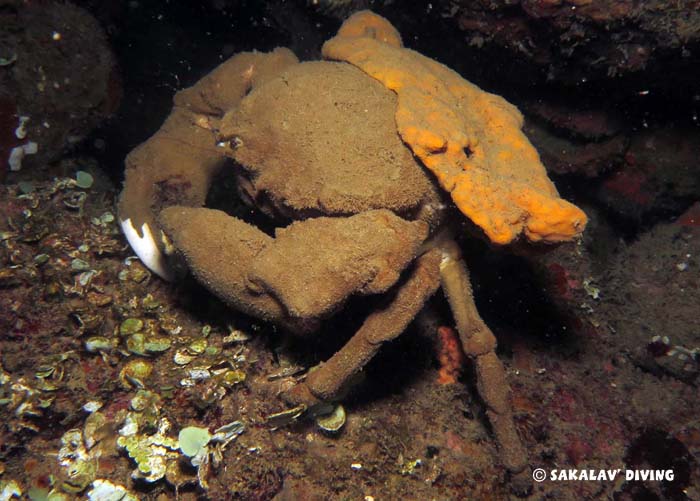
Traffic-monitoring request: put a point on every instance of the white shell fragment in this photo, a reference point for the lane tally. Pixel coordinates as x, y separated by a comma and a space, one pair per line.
130, 427
19, 152
9, 490
227, 432
236, 336
104, 490
92, 406
333, 422
285, 417
181, 357
151, 453
21, 130
199, 374
193, 440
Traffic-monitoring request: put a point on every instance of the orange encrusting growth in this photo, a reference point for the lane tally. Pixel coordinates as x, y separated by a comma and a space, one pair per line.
368, 24
450, 356
471, 140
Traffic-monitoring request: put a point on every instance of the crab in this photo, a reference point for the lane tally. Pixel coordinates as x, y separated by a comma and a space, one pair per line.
353, 158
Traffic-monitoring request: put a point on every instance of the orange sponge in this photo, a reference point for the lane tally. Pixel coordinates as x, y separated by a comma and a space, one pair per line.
471, 140
450, 355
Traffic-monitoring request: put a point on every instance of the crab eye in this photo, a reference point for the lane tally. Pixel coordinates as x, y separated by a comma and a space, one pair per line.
233, 143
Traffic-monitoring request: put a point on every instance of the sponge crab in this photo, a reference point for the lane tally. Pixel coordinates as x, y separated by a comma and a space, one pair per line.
354, 157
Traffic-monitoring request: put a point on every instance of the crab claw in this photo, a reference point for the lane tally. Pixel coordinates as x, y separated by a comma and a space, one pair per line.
146, 248
177, 164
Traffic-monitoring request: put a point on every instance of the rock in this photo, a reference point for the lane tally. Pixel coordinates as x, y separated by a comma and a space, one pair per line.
570, 156
64, 78
660, 176
577, 41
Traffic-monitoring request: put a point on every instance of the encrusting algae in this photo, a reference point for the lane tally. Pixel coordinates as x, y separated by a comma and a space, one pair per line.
471, 140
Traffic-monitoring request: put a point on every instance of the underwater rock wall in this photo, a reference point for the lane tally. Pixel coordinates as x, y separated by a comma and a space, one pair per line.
577, 41
58, 80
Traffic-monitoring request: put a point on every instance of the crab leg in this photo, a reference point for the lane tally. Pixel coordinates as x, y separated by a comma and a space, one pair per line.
176, 165
383, 325
479, 343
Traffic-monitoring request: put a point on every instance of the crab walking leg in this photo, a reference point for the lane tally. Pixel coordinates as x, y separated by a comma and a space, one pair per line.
479, 343
383, 325
176, 165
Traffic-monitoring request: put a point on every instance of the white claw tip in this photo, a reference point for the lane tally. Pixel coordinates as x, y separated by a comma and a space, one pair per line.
146, 248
